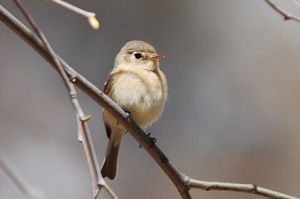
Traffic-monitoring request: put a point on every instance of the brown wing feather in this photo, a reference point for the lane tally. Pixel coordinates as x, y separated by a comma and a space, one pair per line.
107, 85
107, 88
108, 130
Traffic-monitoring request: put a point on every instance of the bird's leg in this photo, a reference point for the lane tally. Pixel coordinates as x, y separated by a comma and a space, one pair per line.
153, 140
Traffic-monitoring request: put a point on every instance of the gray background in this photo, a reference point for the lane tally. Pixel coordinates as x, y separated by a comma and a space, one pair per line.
234, 93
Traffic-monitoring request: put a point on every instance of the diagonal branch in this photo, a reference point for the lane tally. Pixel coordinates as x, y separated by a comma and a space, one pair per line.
73, 8
295, 2
110, 191
182, 182
283, 13
94, 22
246, 188
27, 190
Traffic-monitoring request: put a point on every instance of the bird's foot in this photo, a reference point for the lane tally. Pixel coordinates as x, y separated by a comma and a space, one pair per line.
153, 141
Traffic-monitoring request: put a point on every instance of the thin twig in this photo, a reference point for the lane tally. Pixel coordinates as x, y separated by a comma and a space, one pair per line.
180, 180
286, 15
295, 3
81, 117
110, 191
94, 22
27, 190
73, 8
247, 188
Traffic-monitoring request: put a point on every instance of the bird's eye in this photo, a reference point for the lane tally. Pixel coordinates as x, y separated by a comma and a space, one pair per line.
138, 55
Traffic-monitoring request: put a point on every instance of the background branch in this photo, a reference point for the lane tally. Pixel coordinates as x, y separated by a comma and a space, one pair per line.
182, 182
296, 3
73, 8
94, 22
286, 15
20, 183
246, 188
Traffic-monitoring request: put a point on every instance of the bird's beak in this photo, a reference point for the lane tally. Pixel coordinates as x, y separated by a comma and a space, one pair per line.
156, 58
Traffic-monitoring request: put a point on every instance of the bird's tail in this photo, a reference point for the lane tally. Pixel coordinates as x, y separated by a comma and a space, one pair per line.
109, 167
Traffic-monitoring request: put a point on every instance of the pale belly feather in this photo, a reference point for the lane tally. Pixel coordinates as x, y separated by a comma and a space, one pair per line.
140, 94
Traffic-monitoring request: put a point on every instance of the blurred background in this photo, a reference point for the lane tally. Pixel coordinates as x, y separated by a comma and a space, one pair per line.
233, 112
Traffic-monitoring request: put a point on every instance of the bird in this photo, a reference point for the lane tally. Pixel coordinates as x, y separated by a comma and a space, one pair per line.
139, 87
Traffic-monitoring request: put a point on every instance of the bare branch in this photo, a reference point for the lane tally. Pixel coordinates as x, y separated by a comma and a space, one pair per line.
73, 8
94, 22
81, 117
286, 15
110, 191
247, 188
93, 165
182, 182
27, 190
295, 3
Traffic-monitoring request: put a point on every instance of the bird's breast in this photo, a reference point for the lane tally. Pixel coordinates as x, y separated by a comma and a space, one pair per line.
142, 93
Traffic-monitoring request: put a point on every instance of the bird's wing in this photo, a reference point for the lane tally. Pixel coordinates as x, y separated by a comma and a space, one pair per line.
107, 89
107, 85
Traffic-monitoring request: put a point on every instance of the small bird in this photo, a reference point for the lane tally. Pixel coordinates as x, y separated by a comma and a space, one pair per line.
137, 85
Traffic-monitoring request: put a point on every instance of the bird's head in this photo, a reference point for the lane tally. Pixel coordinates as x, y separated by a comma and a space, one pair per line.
138, 54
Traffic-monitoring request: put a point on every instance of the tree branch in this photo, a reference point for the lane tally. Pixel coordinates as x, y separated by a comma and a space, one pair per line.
246, 188
283, 13
295, 2
182, 182
94, 22
27, 190
73, 8
110, 191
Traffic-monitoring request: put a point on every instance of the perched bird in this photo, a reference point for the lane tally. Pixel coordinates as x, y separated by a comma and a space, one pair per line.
137, 85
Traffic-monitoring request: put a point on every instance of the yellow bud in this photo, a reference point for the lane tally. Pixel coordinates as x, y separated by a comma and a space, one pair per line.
86, 118
94, 22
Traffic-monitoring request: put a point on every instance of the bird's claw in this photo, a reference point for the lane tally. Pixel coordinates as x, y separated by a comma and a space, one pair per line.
153, 141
